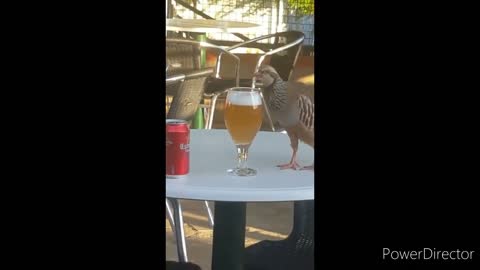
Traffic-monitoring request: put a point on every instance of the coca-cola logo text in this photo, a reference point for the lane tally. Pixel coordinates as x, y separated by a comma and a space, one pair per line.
185, 147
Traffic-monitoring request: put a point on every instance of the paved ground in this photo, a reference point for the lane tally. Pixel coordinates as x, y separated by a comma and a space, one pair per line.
271, 221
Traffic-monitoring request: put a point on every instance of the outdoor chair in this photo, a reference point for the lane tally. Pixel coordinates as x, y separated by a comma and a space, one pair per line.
183, 57
187, 91
284, 54
293, 253
175, 217
186, 81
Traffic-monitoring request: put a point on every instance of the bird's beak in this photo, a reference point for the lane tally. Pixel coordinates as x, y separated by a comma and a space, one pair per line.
258, 79
258, 76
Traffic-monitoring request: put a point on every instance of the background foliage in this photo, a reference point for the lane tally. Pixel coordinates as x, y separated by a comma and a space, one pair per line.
303, 7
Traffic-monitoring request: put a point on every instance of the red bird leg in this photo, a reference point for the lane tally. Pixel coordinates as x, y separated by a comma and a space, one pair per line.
293, 163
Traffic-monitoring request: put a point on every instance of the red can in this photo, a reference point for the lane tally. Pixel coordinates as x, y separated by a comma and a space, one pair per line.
178, 148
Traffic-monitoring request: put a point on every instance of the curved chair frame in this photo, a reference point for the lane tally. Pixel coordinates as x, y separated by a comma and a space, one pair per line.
222, 51
260, 61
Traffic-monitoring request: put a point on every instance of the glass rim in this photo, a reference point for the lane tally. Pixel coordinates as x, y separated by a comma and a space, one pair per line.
244, 89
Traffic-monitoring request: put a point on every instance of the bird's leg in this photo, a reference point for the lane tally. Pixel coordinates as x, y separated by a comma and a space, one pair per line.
293, 162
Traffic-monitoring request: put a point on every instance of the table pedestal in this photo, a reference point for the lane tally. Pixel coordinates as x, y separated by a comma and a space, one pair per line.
229, 235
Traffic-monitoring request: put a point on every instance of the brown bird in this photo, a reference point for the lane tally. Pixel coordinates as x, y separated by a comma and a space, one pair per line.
291, 108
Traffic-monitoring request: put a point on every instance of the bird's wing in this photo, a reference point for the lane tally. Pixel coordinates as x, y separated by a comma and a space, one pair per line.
299, 88
306, 109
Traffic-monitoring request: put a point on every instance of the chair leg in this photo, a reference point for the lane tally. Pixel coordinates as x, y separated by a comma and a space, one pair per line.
170, 215
212, 111
210, 215
179, 231
267, 111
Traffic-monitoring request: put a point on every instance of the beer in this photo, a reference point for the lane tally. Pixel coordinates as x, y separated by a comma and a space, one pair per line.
243, 116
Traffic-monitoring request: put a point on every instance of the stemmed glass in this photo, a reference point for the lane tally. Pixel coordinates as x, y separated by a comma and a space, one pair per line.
243, 119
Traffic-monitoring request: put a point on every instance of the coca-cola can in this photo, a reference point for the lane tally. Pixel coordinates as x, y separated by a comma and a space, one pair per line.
178, 148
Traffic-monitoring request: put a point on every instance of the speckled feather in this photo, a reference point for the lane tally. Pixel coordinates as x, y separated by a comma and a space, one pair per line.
292, 108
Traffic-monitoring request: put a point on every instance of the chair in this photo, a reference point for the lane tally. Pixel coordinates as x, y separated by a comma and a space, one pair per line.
186, 81
187, 90
293, 253
175, 217
183, 56
284, 54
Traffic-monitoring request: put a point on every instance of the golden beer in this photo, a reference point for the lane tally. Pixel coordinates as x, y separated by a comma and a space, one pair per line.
243, 122
243, 116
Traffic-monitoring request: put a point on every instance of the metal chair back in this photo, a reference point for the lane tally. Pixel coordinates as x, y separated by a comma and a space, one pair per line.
284, 55
285, 60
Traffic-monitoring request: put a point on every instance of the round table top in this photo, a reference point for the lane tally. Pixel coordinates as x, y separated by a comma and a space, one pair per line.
212, 152
204, 26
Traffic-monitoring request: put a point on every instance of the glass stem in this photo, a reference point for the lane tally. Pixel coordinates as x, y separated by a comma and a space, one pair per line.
242, 151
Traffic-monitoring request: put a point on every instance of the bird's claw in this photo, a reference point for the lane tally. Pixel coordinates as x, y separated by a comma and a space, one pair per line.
291, 165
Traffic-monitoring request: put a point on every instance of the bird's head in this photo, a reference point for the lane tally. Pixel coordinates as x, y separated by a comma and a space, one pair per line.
266, 76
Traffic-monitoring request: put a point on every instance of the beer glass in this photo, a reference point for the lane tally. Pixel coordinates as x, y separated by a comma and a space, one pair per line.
243, 118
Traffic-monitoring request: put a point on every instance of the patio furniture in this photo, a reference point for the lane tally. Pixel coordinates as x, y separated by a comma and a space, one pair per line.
284, 55
209, 180
187, 93
179, 230
294, 252
184, 59
184, 56
171, 219
175, 217
186, 82
207, 26
213, 26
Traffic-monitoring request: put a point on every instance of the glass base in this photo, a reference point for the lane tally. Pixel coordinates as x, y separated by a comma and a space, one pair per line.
242, 172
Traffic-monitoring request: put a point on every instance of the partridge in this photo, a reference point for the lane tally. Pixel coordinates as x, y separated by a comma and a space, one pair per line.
291, 108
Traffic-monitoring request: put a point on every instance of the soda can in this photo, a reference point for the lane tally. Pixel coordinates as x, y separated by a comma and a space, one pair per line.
177, 148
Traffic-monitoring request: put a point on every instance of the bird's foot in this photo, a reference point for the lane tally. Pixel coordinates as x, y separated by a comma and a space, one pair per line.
292, 165
311, 167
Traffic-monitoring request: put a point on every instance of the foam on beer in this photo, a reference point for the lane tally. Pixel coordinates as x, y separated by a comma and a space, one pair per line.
244, 99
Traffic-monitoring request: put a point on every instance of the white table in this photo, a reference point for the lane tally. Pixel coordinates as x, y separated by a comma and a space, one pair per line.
212, 152
207, 26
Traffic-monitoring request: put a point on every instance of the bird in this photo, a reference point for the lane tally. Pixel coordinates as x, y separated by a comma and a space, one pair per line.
291, 107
